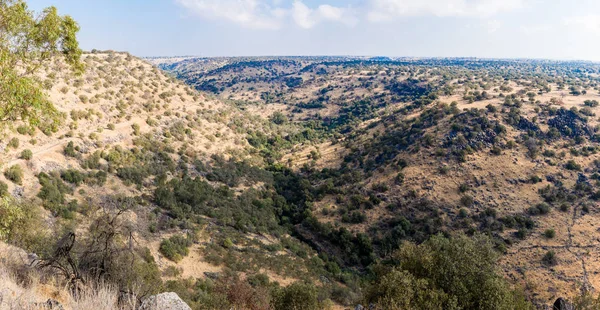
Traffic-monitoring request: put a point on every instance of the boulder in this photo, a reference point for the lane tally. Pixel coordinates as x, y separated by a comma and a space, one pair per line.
562, 304
164, 301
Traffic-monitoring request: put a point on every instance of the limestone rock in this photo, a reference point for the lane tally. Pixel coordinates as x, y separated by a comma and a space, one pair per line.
164, 301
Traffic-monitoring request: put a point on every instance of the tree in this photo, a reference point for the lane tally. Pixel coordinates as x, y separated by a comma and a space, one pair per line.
27, 42
442, 273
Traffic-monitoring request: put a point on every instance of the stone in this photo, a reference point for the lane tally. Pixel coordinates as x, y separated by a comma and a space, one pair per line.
212, 275
562, 304
164, 301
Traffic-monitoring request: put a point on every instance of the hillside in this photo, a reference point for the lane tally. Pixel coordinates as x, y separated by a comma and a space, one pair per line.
158, 165
413, 148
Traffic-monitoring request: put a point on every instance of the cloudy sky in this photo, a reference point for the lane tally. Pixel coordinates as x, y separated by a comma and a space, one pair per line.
555, 29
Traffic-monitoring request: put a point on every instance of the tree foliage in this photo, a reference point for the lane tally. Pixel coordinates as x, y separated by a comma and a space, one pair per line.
27, 41
442, 273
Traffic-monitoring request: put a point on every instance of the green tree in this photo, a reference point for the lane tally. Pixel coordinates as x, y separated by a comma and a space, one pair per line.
27, 42
298, 296
442, 273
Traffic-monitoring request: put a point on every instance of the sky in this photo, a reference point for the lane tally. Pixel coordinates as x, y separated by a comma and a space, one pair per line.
547, 29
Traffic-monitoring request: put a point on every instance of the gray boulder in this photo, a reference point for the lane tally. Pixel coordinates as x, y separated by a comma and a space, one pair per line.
164, 301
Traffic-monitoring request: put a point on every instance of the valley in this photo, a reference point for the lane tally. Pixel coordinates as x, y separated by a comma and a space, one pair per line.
292, 182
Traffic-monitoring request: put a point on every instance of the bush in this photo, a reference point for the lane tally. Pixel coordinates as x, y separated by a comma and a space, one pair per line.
14, 143
3, 189
549, 258
442, 273
15, 174
72, 176
21, 224
298, 296
573, 165
70, 150
52, 192
175, 248
549, 233
26, 154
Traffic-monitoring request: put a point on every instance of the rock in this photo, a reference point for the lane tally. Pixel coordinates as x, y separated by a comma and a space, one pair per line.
18, 192
164, 301
49, 304
211, 275
359, 307
562, 304
53, 304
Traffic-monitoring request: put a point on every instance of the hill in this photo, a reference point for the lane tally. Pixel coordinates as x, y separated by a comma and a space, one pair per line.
414, 148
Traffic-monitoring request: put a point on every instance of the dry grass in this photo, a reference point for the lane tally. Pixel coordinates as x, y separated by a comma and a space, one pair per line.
23, 287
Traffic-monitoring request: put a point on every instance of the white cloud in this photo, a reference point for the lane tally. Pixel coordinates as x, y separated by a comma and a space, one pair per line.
535, 29
590, 22
303, 15
493, 25
306, 17
383, 10
265, 14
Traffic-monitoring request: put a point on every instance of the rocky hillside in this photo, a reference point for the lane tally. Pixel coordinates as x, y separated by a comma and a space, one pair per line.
162, 174
408, 149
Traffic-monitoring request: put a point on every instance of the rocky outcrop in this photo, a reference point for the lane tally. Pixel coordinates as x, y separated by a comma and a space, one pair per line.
570, 124
562, 304
164, 301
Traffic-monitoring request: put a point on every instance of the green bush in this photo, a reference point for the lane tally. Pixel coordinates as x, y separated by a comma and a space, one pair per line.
53, 192
549, 259
298, 296
573, 165
14, 143
549, 233
175, 248
15, 174
3, 189
442, 273
26, 154
70, 150
72, 176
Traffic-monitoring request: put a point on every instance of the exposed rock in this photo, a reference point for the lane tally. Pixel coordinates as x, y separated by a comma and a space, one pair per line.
526, 125
18, 192
52, 304
164, 301
570, 124
211, 275
562, 304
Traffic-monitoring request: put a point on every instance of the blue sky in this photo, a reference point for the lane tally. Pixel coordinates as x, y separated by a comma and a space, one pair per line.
556, 29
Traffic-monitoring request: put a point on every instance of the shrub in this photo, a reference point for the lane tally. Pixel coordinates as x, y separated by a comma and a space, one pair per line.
20, 224
136, 129
549, 233
439, 274
3, 189
70, 150
25, 130
14, 143
573, 165
72, 176
175, 248
466, 201
52, 192
549, 258
26, 154
15, 174
539, 209
296, 297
